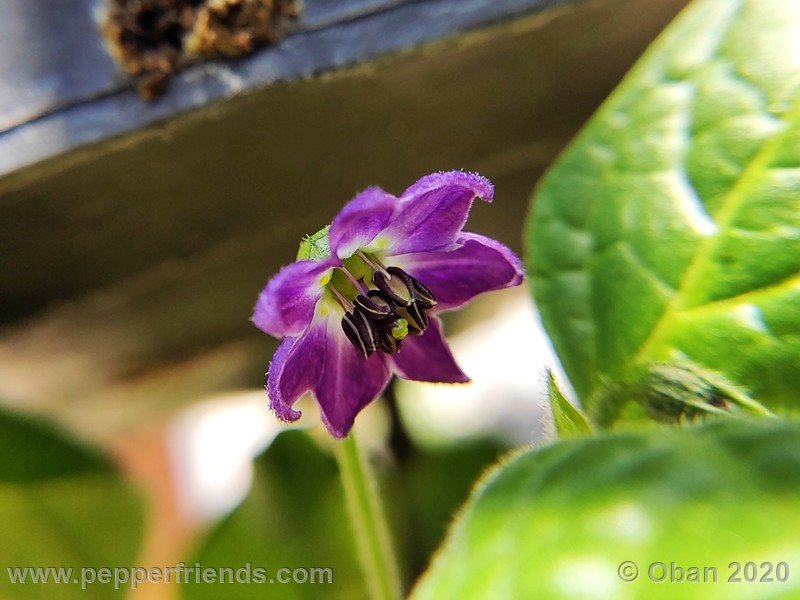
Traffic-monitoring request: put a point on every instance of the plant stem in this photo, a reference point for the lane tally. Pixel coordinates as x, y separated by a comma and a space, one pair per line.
366, 514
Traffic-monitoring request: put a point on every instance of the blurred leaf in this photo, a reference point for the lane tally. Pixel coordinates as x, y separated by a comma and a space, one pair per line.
294, 518
568, 420
557, 522
670, 229
427, 490
61, 505
673, 392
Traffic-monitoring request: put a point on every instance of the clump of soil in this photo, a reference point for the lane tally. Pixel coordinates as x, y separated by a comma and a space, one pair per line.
152, 39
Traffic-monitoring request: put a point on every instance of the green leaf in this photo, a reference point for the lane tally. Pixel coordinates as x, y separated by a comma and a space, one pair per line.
315, 246
425, 492
670, 229
61, 505
558, 522
569, 421
294, 518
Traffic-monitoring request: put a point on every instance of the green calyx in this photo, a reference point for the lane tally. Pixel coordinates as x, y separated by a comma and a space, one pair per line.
672, 393
315, 246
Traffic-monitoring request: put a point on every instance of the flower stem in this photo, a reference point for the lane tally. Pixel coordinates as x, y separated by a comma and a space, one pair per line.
366, 514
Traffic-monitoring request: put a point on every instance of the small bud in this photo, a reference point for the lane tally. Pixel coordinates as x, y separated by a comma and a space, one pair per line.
674, 392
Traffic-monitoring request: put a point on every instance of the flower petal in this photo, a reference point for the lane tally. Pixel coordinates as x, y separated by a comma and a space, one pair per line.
432, 212
348, 382
286, 305
477, 264
360, 221
428, 358
295, 370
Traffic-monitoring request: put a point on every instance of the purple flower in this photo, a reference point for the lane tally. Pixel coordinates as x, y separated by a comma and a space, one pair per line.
363, 307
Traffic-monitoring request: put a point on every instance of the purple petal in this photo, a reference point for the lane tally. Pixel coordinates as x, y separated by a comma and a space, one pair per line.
428, 358
360, 221
286, 305
432, 212
295, 370
348, 383
478, 264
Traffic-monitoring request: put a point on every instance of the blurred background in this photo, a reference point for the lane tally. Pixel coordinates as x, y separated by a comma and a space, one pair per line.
150, 184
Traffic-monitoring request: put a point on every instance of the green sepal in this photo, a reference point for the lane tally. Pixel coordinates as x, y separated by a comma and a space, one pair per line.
672, 393
315, 246
568, 419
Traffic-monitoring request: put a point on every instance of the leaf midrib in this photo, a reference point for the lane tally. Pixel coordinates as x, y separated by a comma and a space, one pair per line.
729, 208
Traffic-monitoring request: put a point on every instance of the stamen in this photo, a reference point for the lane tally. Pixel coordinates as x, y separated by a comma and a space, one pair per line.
369, 330
344, 302
361, 332
417, 318
419, 292
373, 263
380, 319
387, 342
351, 331
375, 305
424, 295
394, 288
357, 283
379, 298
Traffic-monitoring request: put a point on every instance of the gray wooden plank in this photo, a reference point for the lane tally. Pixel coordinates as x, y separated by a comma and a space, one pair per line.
336, 35
120, 207
51, 56
324, 13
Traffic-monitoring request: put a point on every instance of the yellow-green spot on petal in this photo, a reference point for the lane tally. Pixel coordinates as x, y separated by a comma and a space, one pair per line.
326, 278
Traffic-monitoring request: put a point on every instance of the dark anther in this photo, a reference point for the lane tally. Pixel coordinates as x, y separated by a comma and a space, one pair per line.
394, 288
375, 305
416, 290
423, 295
361, 331
386, 341
397, 308
417, 318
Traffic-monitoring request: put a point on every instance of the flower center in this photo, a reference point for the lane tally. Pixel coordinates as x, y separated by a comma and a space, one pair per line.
382, 305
